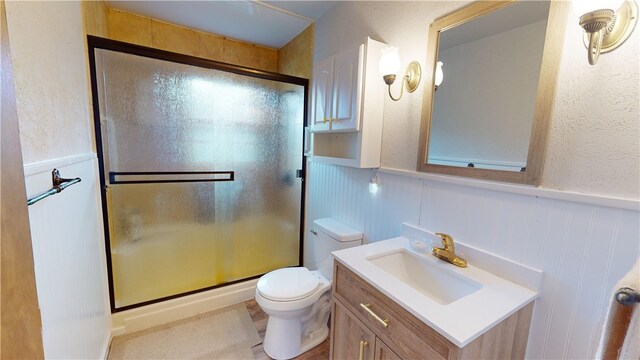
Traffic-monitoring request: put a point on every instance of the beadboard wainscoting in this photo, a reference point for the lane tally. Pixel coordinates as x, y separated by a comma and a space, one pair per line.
582, 248
69, 260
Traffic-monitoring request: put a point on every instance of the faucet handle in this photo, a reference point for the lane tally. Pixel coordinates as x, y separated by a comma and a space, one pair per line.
447, 240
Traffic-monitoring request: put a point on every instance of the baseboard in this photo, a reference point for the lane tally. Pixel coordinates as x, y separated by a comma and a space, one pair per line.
105, 347
176, 309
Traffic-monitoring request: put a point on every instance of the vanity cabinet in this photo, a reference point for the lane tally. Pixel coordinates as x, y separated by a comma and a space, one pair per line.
397, 334
356, 341
347, 102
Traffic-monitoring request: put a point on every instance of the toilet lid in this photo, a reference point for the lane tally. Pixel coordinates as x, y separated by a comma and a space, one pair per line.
288, 284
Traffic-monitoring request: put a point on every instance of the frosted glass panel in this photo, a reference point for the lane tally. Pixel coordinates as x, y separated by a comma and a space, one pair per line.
171, 238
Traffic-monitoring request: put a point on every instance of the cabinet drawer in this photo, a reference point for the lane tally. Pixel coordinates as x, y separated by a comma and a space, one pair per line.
405, 334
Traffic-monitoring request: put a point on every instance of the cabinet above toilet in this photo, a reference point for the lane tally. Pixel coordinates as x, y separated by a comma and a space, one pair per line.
347, 103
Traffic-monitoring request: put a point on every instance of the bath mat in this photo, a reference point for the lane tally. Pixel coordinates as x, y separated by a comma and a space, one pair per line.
226, 333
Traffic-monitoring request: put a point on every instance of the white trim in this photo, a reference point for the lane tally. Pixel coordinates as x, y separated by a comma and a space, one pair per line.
176, 309
283, 11
592, 199
48, 165
334, 161
105, 347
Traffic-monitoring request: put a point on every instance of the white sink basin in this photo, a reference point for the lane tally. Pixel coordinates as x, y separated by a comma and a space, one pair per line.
426, 276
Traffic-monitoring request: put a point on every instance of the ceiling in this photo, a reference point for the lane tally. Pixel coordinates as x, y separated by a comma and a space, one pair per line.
267, 23
516, 15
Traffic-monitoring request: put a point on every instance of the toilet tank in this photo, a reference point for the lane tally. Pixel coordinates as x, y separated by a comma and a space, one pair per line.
329, 235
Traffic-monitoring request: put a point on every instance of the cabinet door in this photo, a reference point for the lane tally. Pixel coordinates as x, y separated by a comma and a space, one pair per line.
350, 339
383, 352
346, 82
321, 96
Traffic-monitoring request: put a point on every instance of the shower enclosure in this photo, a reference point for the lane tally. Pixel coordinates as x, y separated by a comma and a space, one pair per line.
201, 170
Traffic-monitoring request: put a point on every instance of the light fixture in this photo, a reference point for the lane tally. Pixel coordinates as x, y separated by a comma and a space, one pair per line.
439, 75
607, 24
373, 183
389, 67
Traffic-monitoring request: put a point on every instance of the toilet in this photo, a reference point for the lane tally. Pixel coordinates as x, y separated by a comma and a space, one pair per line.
298, 300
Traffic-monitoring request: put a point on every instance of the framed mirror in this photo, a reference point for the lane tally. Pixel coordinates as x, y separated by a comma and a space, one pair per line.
492, 78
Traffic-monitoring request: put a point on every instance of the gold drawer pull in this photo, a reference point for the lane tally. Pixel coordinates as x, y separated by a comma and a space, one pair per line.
362, 345
366, 307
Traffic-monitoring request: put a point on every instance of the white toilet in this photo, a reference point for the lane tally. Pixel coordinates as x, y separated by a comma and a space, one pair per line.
298, 300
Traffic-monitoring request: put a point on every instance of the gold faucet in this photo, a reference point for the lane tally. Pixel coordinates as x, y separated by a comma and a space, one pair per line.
447, 252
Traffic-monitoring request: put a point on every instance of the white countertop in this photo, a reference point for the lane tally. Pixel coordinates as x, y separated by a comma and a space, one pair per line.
461, 321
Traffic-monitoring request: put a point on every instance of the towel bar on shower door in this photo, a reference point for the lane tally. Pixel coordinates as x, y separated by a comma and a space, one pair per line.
164, 177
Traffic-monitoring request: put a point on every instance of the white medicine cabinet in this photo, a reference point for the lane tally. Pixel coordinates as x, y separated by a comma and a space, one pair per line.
347, 102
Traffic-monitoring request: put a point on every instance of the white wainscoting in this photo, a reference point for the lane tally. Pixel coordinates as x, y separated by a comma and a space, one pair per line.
582, 248
69, 260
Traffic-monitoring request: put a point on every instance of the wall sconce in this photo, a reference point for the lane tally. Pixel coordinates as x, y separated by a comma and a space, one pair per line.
607, 24
373, 183
439, 75
389, 66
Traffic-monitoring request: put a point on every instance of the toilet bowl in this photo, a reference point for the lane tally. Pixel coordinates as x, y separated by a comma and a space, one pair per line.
298, 300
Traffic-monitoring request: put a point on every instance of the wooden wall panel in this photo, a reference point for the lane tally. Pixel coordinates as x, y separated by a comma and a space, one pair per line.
296, 57
129, 28
150, 32
206, 45
169, 37
94, 14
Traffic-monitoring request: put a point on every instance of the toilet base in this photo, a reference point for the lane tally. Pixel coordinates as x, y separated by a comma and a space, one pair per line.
288, 337
281, 347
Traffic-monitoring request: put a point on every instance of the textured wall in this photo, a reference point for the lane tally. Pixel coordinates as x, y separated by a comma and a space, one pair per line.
296, 57
149, 32
594, 139
48, 50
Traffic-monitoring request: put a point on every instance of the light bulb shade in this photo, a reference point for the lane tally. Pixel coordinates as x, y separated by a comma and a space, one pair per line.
373, 188
373, 184
581, 7
439, 74
389, 61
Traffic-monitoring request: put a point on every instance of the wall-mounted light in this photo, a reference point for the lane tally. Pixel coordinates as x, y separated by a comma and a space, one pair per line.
373, 183
439, 75
389, 67
607, 24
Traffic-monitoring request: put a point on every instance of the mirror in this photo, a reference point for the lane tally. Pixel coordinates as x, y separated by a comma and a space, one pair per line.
494, 68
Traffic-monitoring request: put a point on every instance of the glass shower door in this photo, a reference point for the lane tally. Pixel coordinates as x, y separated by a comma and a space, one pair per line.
200, 167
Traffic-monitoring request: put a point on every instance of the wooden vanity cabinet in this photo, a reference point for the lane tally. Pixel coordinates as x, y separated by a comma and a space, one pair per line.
405, 336
383, 352
354, 340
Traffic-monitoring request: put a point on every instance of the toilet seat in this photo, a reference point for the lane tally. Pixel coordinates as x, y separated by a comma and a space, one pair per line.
288, 284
